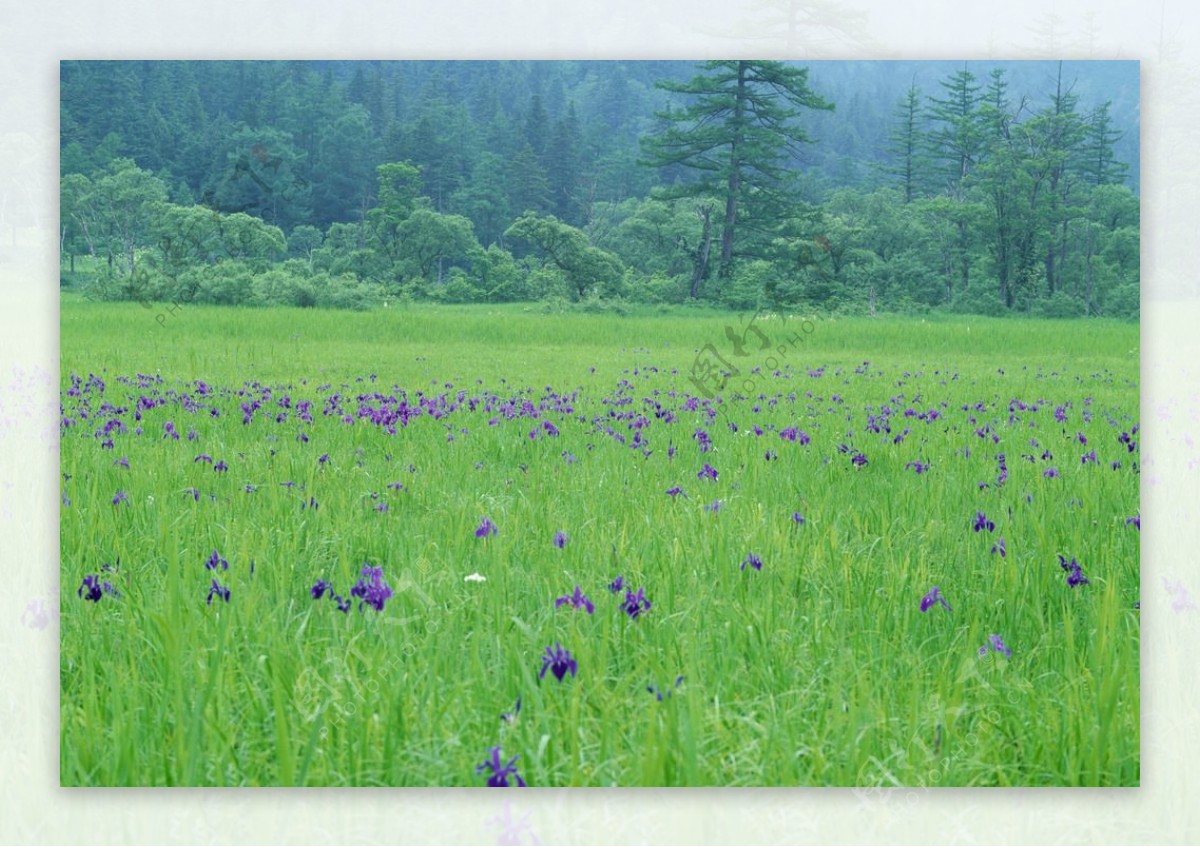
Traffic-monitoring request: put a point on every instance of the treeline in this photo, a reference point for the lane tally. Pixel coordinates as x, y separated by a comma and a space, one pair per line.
344, 184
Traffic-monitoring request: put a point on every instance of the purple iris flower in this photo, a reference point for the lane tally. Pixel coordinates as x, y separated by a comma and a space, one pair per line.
123, 462
998, 547
1050, 473
371, 589
194, 493
995, 642
486, 528
203, 457
636, 603
501, 773
220, 466
675, 491
1136, 521
982, 522
558, 661
932, 598
1074, 571
918, 467
319, 588
90, 590
617, 584
707, 472
789, 434
215, 561
753, 561
217, 590
859, 460
119, 498
714, 506
561, 539
1088, 457
578, 600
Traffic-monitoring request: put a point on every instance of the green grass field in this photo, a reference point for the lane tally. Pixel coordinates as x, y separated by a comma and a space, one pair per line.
818, 669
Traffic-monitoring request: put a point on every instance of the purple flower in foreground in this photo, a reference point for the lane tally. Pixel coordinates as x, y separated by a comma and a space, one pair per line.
90, 590
1136, 521
578, 600
995, 642
194, 493
217, 590
982, 522
1088, 457
371, 589
998, 547
123, 462
558, 661
220, 466
707, 472
675, 491
343, 603
319, 588
859, 460
561, 539
215, 561
918, 467
617, 584
119, 498
1050, 473
203, 457
636, 603
501, 773
932, 598
714, 506
486, 528
798, 518
753, 561
1074, 571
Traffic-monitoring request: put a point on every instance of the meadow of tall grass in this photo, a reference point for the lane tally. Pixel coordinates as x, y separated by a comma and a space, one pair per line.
405, 547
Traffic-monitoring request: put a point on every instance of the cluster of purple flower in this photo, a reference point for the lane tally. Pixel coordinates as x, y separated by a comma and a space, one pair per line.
1074, 571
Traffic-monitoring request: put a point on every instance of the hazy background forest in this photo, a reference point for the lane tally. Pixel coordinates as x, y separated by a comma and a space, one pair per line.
830, 187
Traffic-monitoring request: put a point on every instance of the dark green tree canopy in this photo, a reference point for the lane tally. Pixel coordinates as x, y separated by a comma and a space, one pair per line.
735, 138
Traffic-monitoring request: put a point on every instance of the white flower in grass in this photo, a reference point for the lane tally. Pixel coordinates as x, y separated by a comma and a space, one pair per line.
475, 577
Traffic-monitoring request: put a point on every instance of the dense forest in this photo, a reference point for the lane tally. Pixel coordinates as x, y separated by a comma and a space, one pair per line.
849, 187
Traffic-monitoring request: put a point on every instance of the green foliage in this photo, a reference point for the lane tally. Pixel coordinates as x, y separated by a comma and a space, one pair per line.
733, 137
585, 268
1060, 305
747, 289
428, 239
399, 174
